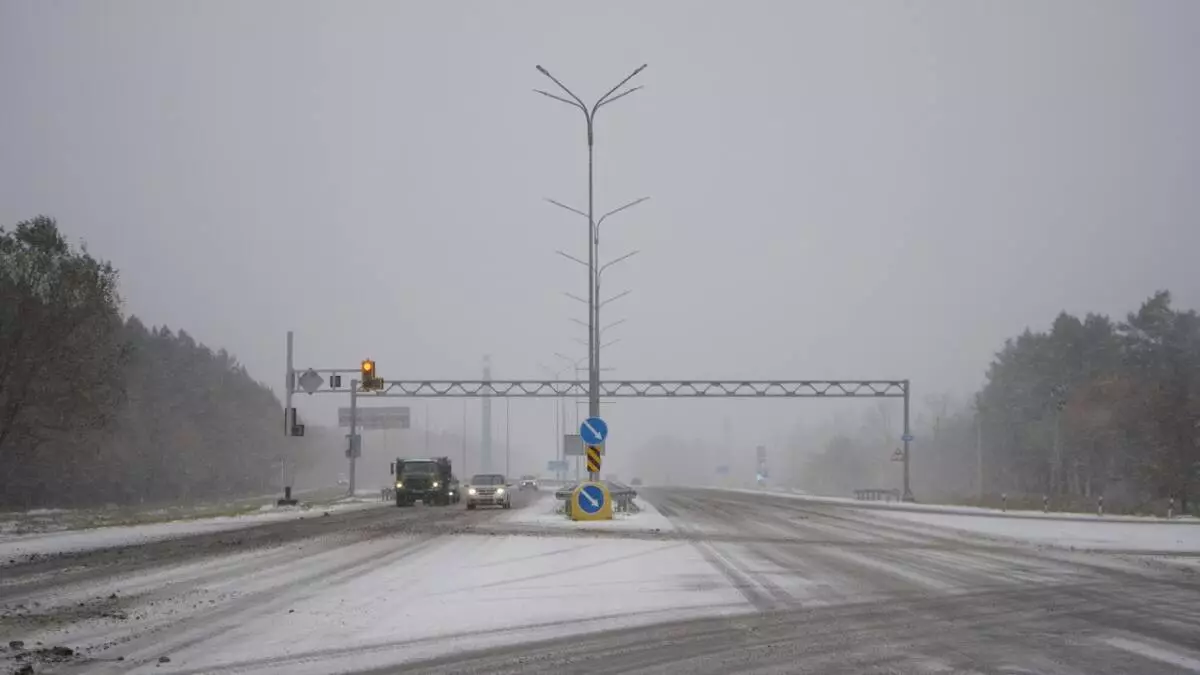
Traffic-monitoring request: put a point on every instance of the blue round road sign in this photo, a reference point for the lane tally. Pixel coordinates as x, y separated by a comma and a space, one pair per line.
591, 499
593, 431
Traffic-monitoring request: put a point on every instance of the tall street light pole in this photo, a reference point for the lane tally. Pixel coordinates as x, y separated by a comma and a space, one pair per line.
593, 238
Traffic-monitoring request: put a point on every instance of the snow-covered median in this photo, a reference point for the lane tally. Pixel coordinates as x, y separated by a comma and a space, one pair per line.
545, 513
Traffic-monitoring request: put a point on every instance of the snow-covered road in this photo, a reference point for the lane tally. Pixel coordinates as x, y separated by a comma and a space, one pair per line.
701, 581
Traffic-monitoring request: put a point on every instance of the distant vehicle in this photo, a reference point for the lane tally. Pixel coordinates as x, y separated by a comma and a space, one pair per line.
488, 489
528, 482
636, 482
429, 480
342, 480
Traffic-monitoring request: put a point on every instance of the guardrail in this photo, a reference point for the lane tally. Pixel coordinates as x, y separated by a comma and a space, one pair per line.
622, 496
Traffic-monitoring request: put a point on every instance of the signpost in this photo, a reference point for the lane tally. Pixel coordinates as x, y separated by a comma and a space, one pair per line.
593, 431
394, 417
593, 459
572, 445
591, 501
556, 465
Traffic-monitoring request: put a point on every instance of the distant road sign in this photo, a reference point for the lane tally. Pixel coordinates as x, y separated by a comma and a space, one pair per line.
898, 455
591, 499
311, 381
907, 438
572, 445
593, 431
393, 417
556, 465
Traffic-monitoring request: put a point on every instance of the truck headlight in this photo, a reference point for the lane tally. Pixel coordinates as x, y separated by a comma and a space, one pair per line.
471, 491
499, 491
435, 483
399, 484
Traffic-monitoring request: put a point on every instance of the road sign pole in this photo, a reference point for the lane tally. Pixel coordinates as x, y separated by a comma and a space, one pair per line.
908, 495
353, 430
289, 385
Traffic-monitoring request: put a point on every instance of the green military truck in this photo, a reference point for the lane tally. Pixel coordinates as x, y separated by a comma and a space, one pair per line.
429, 480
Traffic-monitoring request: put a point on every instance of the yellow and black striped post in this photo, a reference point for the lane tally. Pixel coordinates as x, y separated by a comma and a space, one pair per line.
593, 459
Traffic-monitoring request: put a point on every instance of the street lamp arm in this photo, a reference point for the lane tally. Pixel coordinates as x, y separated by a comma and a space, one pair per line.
618, 96
615, 261
609, 344
618, 296
620, 209
575, 297
571, 103
604, 99
618, 322
570, 93
568, 256
564, 206
581, 323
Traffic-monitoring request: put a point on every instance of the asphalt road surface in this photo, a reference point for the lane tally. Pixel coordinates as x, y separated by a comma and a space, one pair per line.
840, 592
825, 589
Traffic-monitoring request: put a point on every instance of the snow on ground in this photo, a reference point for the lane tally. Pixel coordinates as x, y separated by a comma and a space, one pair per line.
16, 546
543, 513
1093, 534
950, 508
386, 601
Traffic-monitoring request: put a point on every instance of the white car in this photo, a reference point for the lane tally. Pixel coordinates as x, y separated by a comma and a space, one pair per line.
489, 489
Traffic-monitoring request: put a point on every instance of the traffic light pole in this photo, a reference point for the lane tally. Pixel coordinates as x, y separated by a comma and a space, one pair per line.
353, 445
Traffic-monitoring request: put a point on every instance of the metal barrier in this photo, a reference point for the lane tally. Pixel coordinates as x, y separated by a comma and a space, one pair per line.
876, 494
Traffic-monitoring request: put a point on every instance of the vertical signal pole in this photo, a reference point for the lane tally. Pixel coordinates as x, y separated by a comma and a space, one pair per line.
354, 444
289, 386
485, 440
908, 495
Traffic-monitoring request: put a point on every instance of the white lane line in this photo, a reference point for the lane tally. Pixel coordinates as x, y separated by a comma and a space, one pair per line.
1155, 653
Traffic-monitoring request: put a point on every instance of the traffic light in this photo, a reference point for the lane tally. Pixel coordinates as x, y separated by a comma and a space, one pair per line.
368, 375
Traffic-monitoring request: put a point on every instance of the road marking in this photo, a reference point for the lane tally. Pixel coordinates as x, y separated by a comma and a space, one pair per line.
1155, 653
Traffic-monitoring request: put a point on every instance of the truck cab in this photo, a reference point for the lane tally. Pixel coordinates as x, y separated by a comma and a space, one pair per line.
429, 480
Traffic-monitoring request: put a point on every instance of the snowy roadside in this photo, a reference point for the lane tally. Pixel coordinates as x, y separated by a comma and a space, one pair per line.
908, 507
14, 547
1129, 536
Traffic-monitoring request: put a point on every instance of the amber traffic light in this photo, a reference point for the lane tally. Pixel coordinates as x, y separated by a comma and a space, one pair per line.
368, 374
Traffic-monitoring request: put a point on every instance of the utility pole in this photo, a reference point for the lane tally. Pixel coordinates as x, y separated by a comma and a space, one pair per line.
426, 427
507, 439
979, 455
593, 238
464, 439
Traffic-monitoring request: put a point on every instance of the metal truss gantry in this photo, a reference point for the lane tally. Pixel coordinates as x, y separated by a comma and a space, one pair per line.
613, 389
646, 388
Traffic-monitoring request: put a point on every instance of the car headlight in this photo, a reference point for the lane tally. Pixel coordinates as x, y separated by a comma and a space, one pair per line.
435, 483
499, 491
399, 484
471, 491
452, 493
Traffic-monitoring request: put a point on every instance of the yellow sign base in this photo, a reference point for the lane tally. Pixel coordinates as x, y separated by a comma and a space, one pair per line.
591, 501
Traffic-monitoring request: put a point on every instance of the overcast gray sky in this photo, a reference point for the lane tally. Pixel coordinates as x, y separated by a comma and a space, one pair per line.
839, 189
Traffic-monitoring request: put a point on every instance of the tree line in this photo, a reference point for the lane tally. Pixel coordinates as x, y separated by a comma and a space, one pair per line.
96, 408
1090, 408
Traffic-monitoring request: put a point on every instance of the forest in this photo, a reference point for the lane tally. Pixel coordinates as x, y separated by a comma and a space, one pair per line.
1089, 408
97, 408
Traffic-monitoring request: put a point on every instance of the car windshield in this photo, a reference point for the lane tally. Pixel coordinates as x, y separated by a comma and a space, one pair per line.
528, 477
419, 468
487, 479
